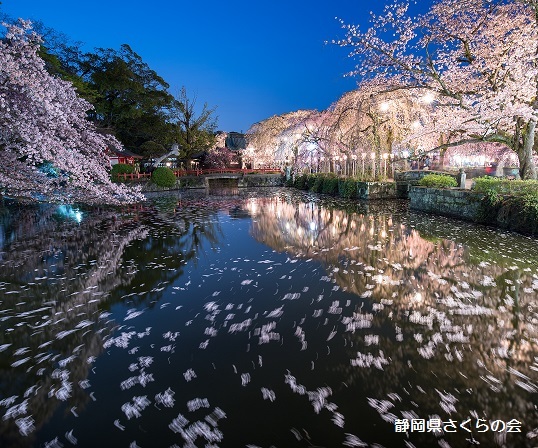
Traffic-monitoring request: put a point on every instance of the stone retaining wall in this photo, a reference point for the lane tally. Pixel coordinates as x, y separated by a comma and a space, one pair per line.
463, 204
262, 180
189, 182
470, 206
376, 190
407, 179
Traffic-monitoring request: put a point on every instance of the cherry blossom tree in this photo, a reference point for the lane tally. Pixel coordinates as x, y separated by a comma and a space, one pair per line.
478, 58
220, 139
376, 124
371, 119
305, 142
221, 157
379, 118
49, 150
274, 140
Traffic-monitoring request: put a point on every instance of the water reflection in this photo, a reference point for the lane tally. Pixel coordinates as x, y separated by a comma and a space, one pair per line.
60, 275
463, 314
324, 319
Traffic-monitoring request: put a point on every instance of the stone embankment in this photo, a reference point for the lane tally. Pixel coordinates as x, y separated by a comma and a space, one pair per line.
458, 203
471, 206
407, 179
209, 181
376, 190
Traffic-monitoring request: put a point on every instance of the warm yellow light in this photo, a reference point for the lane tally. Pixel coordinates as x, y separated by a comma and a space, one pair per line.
428, 98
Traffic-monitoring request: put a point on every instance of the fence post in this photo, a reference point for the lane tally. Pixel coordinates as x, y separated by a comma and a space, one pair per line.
462, 177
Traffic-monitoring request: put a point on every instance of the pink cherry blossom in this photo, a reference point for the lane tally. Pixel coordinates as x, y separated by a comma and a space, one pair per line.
43, 124
478, 58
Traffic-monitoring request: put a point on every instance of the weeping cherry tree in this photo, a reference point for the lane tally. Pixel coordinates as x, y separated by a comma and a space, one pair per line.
478, 58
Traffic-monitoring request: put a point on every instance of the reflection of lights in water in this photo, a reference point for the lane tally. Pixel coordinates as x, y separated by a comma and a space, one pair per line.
70, 213
287, 226
300, 231
253, 206
312, 225
383, 234
417, 297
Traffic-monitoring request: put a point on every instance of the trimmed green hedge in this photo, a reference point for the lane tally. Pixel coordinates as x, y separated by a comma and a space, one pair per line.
310, 181
317, 187
494, 187
120, 168
437, 181
326, 183
300, 182
330, 184
347, 188
530, 205
521, 195
163, 177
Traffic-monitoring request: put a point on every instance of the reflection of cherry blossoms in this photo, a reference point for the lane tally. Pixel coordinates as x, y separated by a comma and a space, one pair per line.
66, 330
443, 304
326, 324
53, 323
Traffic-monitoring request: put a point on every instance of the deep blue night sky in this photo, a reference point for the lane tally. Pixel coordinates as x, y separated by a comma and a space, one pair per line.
250, 59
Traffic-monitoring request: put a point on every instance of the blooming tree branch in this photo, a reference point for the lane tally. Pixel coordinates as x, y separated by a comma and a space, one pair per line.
49, 150
478, 58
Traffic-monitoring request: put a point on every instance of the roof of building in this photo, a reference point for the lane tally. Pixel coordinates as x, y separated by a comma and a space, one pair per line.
236, 140
124, 153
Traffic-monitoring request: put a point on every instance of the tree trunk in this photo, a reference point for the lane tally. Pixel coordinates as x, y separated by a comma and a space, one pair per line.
442, 152
527, 168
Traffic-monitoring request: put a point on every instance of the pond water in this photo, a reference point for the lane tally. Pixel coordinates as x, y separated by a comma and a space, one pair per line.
264, 318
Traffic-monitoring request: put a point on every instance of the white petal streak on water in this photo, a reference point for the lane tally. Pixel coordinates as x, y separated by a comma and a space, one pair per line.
439, 323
